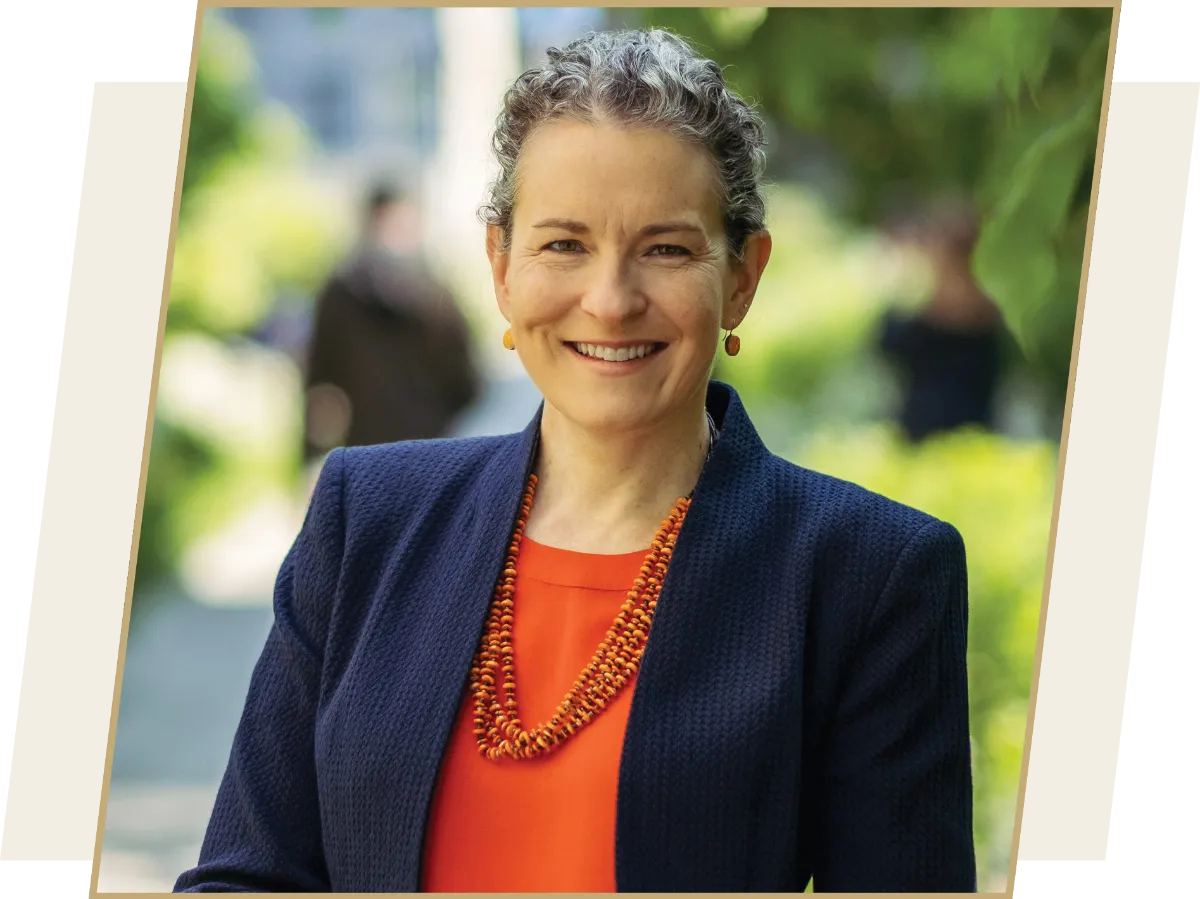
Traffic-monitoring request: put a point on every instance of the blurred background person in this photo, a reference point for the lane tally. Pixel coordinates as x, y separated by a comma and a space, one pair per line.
948, 352
389, 355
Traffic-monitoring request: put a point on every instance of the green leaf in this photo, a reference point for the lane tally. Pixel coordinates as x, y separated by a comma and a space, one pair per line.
964, 58
1023, 40
1015, 260
1046, 176
1018, 270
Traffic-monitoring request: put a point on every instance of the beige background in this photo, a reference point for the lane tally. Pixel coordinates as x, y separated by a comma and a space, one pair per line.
92, 486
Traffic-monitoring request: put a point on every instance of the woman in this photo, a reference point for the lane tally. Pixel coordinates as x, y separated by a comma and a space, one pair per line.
454, 696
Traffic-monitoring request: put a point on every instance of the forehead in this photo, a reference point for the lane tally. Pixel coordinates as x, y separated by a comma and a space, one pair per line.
614, 173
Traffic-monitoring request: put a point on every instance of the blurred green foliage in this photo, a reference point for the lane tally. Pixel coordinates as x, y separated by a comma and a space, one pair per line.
811, 334
999, 494
1003, 104
251, 225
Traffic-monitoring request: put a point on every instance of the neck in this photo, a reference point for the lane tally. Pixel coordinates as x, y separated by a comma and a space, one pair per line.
958, 302
608, 493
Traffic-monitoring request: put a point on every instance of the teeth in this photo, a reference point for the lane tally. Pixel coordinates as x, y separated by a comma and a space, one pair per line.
612, 354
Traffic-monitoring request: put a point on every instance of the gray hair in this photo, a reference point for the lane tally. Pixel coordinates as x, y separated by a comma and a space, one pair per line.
647, 78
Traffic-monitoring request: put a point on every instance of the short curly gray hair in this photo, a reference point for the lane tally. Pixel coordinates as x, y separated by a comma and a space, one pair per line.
649, 78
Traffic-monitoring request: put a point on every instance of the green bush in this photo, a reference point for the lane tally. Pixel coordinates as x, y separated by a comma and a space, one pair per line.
809, 341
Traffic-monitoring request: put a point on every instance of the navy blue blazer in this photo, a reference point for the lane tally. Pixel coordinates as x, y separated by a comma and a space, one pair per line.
800, 712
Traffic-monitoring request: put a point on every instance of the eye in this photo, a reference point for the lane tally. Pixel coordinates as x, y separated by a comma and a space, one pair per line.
663, 249
563, 246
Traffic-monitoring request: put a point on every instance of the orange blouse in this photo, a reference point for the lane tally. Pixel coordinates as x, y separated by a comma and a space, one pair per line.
545, 824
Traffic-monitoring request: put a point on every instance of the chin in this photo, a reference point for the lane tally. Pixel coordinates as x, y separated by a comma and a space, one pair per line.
606, 414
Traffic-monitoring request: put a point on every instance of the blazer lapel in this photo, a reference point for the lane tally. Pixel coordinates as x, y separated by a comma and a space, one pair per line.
719, 676
485, 529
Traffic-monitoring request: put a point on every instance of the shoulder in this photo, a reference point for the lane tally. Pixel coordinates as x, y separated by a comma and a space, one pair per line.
850, 519
840, 505
877, 577
382, 479
372, 503
364, 489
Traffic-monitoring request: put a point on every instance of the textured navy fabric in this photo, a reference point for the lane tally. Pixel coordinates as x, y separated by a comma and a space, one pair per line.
801, 710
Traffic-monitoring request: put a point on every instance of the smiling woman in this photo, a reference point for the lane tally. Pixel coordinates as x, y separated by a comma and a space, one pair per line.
734, 674
616, 241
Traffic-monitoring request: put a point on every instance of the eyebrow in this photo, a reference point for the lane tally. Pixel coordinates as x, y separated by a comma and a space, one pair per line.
574, 227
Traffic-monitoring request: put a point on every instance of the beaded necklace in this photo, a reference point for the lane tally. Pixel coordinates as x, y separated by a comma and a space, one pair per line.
498, 726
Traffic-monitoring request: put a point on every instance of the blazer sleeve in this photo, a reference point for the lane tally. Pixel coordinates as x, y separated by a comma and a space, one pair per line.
895, 809
264, 834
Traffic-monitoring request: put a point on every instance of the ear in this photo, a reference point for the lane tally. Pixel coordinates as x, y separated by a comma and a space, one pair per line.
745, 276
498, 260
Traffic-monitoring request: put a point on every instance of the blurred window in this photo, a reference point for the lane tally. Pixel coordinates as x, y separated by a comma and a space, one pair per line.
329, 100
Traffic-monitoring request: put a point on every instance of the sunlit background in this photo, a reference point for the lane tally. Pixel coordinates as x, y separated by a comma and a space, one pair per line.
880, 122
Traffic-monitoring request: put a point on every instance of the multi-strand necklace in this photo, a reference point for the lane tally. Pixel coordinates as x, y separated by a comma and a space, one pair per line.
498, 727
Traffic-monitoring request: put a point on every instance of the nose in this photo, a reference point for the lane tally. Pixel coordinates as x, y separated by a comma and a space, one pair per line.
612, 295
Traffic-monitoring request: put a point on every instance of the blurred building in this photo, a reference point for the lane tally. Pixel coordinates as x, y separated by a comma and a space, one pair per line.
366, 81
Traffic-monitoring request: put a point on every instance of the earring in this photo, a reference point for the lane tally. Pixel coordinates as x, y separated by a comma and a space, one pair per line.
733, 343
509, 343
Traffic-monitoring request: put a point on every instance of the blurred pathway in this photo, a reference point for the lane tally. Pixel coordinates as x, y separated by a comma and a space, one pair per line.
506, 406
187, 668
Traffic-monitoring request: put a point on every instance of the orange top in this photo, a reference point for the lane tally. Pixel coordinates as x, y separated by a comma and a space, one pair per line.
544, 824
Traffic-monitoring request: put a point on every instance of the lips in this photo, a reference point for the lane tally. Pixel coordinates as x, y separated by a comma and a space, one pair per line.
622, 353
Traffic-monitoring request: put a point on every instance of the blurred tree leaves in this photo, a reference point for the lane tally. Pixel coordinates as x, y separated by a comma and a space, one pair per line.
812, 326
1029, 255
736, 24
219, 130
251, 224
219, 124
1003, 104
251, 221
1022, 40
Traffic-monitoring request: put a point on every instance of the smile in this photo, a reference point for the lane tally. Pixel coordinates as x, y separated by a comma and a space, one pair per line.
623, 353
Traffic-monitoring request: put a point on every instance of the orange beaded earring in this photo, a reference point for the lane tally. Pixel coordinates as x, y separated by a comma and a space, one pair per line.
509, 343
733, 343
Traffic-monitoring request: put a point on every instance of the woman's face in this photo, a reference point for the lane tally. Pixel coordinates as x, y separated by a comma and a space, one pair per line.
617, 279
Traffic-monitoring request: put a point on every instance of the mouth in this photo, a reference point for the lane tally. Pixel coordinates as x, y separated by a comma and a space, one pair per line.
623, 352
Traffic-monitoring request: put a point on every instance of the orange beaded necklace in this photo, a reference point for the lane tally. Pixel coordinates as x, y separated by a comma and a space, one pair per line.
498, 725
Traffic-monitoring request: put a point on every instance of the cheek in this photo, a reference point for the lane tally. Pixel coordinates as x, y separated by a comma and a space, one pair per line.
539, 293
693, 297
